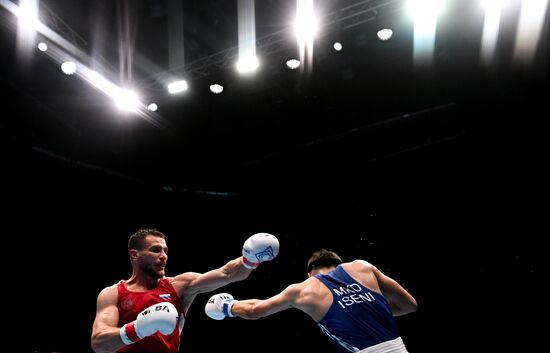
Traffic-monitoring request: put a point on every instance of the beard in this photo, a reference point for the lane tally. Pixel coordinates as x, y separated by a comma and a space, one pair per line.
151, 272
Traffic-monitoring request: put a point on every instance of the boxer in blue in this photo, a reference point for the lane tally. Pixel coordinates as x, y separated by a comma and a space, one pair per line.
353, 303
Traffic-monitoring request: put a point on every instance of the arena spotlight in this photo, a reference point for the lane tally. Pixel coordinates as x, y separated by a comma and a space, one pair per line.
68, 67
293, 64
384, 34
216, 88
42, 46
177, 86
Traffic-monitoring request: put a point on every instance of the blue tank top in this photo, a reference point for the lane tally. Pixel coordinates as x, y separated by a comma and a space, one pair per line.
358, 317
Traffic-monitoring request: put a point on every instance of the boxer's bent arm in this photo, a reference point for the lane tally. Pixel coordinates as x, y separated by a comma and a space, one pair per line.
401, 301
105, 333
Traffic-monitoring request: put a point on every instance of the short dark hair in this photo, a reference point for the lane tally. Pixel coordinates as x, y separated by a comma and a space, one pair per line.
323, 258
137, 240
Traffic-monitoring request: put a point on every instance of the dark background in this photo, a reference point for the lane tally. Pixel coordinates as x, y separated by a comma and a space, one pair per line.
435, 175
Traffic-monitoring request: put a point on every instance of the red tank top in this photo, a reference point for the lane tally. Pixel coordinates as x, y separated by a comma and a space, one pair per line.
130, 304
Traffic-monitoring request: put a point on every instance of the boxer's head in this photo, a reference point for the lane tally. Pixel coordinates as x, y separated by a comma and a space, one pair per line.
322, 258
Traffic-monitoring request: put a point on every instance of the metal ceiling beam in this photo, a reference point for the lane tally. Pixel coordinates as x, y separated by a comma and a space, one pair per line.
350, 16
60, 33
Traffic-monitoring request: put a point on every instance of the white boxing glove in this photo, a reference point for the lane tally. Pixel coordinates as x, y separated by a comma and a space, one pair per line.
162, 317
219, 306
258, 248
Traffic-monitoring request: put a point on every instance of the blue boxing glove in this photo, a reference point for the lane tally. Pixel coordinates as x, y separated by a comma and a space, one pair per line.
258, 248
219, 306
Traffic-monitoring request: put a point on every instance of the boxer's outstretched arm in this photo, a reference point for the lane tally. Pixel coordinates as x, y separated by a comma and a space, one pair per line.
223, 305
258, 248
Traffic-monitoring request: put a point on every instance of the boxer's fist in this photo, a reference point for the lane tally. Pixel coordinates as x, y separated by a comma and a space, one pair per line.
162, 317
219, 306
258, 248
